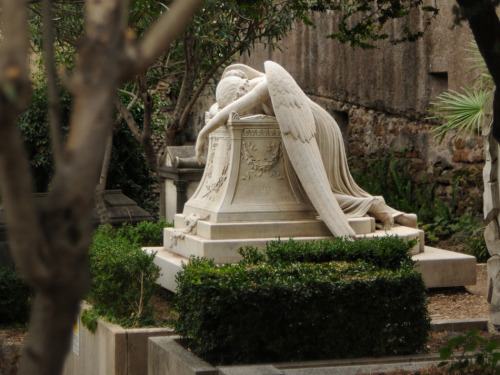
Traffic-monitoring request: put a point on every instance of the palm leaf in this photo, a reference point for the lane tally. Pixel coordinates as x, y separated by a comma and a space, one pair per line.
461, 111
483, 76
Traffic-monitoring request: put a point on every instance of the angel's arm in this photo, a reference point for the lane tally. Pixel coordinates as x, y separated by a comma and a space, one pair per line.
256, 96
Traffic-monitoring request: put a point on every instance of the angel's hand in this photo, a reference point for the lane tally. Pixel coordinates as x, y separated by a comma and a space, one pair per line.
200, 148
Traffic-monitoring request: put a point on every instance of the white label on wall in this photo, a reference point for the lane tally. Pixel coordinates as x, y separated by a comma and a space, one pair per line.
76, 338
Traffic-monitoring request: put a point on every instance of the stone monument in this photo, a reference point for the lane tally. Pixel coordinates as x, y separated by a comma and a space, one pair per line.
276, 168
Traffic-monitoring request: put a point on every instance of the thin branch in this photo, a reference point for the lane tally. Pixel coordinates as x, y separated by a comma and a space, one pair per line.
209, 76
187, 83
102, 211
148, 107
129, 93
144, 137
53, 94
129, 119
164, 32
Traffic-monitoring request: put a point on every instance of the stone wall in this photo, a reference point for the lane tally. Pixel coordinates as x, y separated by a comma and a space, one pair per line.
381, 97
369, 133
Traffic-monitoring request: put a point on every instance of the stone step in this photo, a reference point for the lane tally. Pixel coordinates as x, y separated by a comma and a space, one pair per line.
221, 241
440, 268
271, 229
220, 250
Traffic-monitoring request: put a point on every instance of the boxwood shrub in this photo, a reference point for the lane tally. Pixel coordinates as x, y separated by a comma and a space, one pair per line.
385, 252
301, 301
15, 298
123, 276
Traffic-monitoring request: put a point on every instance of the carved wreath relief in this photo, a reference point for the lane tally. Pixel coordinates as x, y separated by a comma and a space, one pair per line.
262, 161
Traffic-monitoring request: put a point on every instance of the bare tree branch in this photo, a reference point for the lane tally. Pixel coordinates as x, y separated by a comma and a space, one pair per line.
53, 94
215, 67
187, 108
164, 32
101, 209
142, 137
129, 119
147, 99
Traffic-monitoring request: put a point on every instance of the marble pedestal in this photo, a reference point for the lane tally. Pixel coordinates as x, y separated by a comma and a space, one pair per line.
250, 195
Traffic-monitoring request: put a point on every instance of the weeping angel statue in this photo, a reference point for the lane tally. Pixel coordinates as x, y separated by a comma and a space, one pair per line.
312, 140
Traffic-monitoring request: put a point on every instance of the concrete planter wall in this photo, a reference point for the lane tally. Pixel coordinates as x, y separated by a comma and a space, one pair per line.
111, 350
168, 357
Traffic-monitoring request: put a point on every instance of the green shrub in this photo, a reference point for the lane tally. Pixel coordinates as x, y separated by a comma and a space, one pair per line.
282, 310
33, 124
144, 233
391, 177
476, 245
470, 353
385, 252
15, 298
123, 276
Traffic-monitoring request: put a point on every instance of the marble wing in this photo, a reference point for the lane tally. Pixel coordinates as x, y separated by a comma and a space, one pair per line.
298, 129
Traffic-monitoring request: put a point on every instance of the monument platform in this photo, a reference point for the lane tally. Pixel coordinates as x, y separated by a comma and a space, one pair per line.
440, 268
221, 241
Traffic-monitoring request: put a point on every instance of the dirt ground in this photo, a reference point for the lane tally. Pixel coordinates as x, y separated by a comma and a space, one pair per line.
461, 303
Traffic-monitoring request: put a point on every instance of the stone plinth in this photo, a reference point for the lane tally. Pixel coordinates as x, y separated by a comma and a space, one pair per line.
248, 176
179, 178
442, 268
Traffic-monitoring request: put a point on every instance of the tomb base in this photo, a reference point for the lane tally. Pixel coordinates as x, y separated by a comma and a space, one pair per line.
440, 268
221, 241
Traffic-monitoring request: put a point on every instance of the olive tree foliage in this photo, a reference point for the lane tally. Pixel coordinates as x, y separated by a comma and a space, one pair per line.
220, 31
49, 243
362, 23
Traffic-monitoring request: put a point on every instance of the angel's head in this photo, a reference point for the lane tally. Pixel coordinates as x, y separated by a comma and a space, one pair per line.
232, 87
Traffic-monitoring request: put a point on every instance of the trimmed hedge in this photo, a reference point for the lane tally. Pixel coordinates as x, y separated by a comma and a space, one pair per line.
385, 252
15, 298
282, 309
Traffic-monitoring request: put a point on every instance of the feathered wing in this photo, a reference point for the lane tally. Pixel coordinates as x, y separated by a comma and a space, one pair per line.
297, 126
295, 117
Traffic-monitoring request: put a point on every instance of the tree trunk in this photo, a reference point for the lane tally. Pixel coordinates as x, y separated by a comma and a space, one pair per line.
485, 26
50, 243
